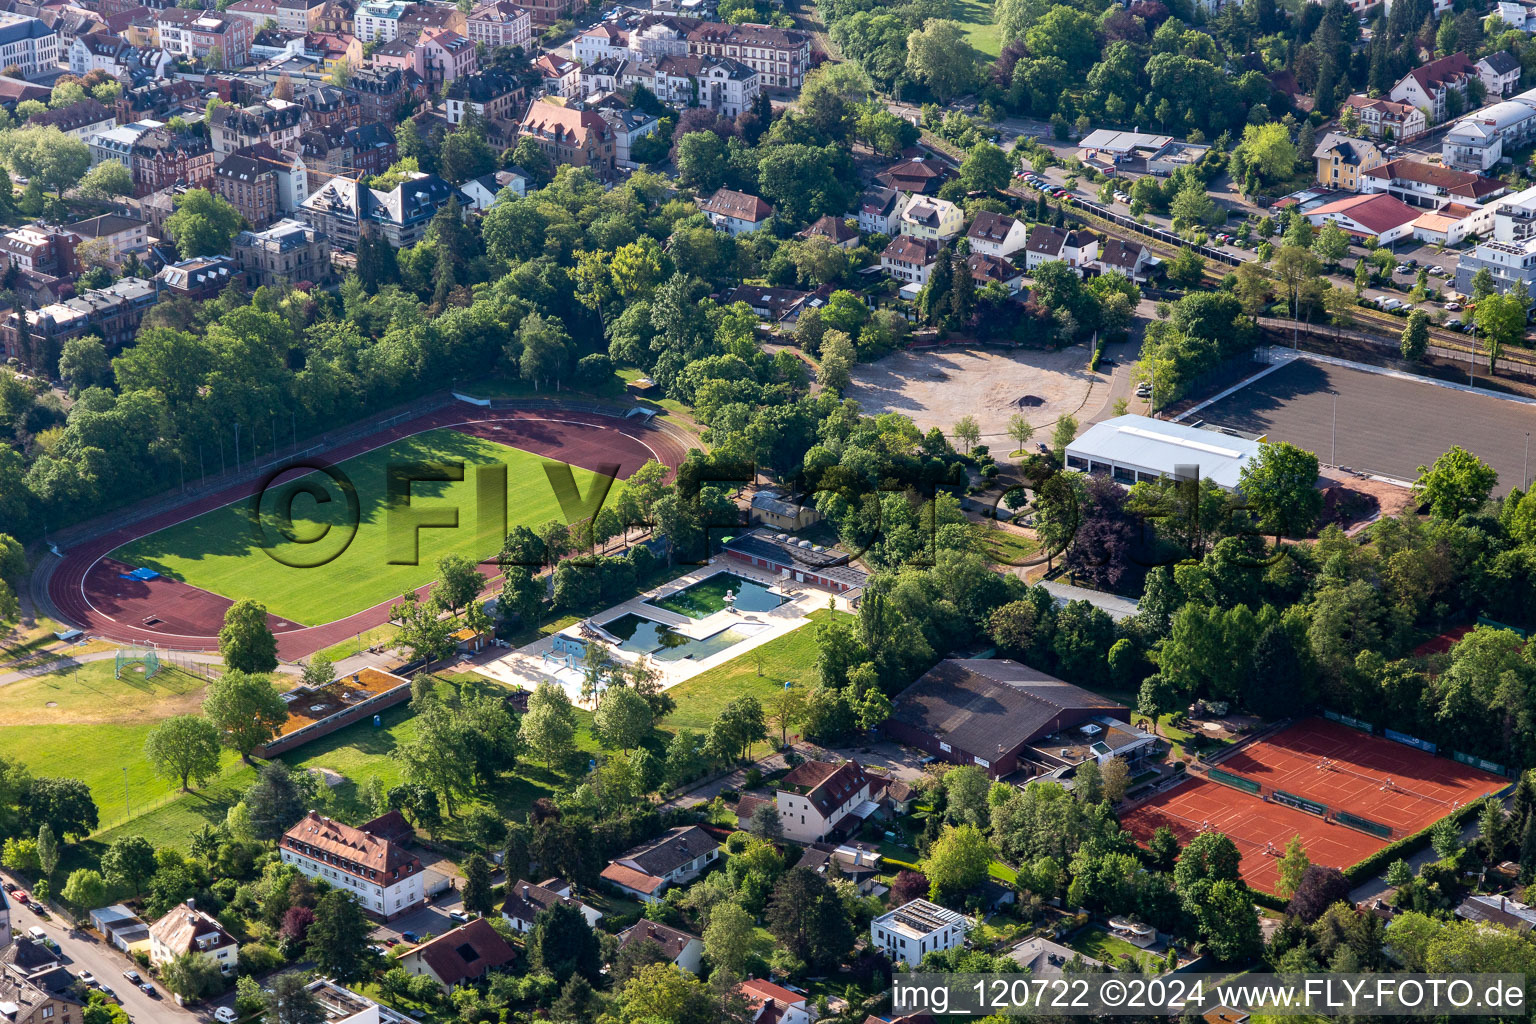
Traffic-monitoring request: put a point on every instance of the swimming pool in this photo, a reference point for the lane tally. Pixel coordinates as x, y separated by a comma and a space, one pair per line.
640, 635
704, 598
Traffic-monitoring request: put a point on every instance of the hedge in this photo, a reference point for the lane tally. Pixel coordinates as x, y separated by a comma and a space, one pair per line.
1405, 846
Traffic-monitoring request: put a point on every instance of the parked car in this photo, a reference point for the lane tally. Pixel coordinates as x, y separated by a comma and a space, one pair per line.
409, 937
459, 916
149, 989
1454, 323
21, 896
87, 979
1403, 268
1453, 306
1392, 304
225, 1015
133, 976
1438, 272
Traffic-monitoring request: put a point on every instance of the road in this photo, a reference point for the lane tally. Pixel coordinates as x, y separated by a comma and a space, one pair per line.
82, 951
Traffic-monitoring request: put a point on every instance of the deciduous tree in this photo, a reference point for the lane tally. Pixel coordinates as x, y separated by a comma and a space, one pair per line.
184, 747
246, 710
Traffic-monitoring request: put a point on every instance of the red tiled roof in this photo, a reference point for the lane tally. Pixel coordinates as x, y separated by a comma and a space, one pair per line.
1457, 183
629, 878
1438, 72
466, 952
1376, 213
738, 205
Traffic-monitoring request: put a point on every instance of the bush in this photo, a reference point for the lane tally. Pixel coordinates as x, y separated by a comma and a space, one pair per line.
259, 958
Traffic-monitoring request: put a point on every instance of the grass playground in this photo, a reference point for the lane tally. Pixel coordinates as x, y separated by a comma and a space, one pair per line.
220, 550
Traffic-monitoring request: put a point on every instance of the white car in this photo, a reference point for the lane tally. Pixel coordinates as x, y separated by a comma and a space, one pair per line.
224, 1015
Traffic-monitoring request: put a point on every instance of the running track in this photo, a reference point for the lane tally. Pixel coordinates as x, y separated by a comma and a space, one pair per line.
86, 590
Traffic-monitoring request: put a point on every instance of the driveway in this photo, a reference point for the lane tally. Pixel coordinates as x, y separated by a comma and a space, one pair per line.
432, 919
83, 951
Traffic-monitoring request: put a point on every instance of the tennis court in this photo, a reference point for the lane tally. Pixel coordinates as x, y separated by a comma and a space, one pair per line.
1300, 781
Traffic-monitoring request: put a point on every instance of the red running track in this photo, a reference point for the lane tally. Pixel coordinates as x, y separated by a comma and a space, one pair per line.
88, 590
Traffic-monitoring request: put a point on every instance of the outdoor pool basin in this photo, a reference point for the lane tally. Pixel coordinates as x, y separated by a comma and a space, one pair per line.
707, 596
640, 635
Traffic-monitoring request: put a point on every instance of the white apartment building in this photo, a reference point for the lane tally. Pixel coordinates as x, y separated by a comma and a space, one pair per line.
378, 20
911, 931
816, 795
996, 234
499, 23
601, 42
117, 143
29, 44
780, 56
385, 879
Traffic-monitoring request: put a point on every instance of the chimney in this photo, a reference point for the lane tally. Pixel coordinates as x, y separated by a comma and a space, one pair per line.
191, 903
525, 892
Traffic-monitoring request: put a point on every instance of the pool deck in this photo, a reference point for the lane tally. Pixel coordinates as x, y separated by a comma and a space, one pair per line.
529, 666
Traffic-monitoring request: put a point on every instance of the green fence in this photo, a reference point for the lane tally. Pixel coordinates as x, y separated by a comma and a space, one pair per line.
1301, 803
1353, 723
1365, 825
1478, 762
1235, 781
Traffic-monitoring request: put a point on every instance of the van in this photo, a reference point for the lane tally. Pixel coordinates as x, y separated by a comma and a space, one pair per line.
38, 934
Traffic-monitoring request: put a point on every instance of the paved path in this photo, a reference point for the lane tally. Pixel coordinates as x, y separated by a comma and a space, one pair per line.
1119, 608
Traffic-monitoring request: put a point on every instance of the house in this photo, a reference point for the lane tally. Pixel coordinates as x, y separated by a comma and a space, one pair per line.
811, 563
675, 857
568, 136
835, 230
660, 35
1374, 219
385, 879
121, 234
525, 901
1077, 249
40, 248
1428, 85
185, 929
248, 181
378, 20
775, 1004
910, 259
879, 211
629, 125
257, 12
224, 41
1453, 223
561, 78
996, 234
1046, 959
915, 929
1498, 910
331, 48
987, 269
79, 120
340, 1005
326, 106
736, 212
930, 218
499, 23
817, 799
1388, 120
332, 150
491, 94
481, 193
1131, 449
101, 51
919, 176
858, 862
299, 16
289, 251
444, 56
1509, 252
777, 305
1341, 160
158, 101
1132, 259
722, 84
1431, 186
986, 711
602, 41
114, 313
277, 123
1500, 72
781, 57
682, 948
463, 954
29, 44
384, 91
35, 988
344, 208
775, 510
201, 278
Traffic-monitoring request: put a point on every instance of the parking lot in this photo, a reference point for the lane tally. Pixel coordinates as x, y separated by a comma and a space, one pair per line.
433, 919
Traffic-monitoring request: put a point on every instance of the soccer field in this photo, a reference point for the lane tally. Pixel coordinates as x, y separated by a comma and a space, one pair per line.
223, 551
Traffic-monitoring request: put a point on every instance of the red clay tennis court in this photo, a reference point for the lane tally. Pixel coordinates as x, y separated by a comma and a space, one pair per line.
1328, 768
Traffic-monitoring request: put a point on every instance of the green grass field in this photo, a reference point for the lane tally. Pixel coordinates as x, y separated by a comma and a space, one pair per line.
980, 29
791, 657
220, 550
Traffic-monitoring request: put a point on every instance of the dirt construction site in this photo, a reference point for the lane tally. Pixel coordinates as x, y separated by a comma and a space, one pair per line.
938, 386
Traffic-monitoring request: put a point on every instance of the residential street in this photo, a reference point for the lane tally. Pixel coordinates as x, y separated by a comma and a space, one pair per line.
82, 951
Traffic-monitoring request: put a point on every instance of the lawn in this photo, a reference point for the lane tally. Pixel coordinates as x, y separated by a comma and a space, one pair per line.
788, 658
1099, 944
981, 31
1005, 547
221, 551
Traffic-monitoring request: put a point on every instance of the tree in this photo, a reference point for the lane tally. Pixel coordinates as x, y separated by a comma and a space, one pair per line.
1020, 430
1319, 888
1501, 321
1268, 150
966, 431
730, 937
64, 805
957, 862
940, 56
544, 344
245, 642
1193, 206
274, 802
837, 359
765, 822
107, 180
47, 850
1293, 866
1115, 777
807, 917
84, 361
204, 224
1483, 285
1163, 848
129, 862
184, 747
985, 168
339, 937
1281, 486
1415, 340
1063, 435
458, 583
289, 1001
1445, 837
622, 719
1331, 244
192, 976
739, 724
477, 885
663, 992
562, 944
1209, 857
1187, 269
1228, 921
907, 886
549, 726
85, 889
1458, 482
46, 156
246, 710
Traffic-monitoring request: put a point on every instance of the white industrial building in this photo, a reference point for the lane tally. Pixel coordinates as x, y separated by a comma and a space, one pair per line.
915, 929
1134, 448
1510, 254
1479, 140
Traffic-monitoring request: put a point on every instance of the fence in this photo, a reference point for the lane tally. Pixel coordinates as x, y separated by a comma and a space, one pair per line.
1366, 825
1301, 803
1412, 741
1478, 762
1353, 723
1235, 781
